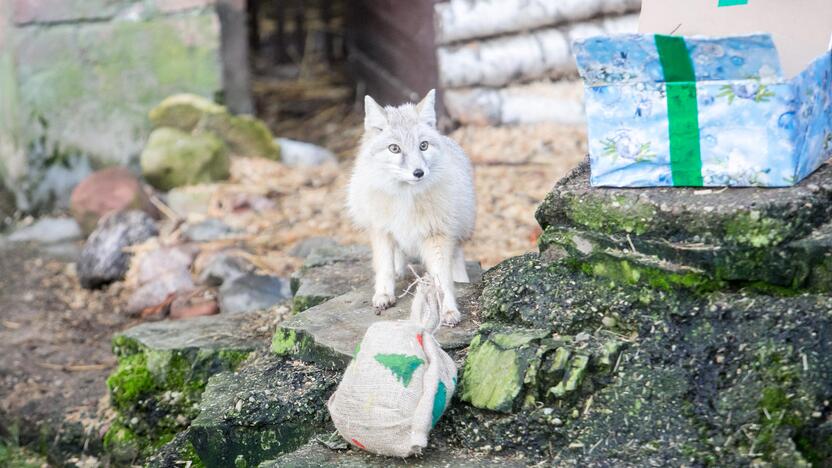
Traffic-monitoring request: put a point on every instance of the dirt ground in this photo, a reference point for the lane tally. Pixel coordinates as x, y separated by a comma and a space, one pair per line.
55, 337
55, 348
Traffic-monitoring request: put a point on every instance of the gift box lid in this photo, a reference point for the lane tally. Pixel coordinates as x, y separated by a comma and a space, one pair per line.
638, 58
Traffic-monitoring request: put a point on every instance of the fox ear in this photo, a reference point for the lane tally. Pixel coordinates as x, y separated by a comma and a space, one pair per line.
374, 116
427, 108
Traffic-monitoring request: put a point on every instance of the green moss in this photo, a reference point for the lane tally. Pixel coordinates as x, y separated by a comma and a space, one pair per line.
754, 230
13, 456
130, 381
122, 443
232, 358
285, 342
302, 303
156, 391
626, 272
619, 215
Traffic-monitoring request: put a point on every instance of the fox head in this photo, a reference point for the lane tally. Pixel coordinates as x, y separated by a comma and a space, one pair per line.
403, 141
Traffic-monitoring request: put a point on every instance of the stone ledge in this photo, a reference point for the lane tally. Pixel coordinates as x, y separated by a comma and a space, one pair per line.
744, 217
327, 334
270, 406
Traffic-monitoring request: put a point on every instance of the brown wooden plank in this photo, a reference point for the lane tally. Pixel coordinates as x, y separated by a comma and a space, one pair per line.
395, 42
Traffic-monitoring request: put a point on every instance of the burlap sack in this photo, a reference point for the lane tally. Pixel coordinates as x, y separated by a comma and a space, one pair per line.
398, 384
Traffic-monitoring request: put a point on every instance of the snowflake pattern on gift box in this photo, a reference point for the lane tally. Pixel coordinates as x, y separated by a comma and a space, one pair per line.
626, 147
753, 90
756, 128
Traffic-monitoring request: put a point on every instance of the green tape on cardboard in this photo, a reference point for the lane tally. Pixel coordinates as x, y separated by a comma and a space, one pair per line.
682, 111
725, 3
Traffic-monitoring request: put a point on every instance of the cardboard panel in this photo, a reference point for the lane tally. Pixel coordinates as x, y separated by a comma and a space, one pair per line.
801, 28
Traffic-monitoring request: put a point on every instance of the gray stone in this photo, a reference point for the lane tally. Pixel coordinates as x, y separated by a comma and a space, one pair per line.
269, 407
208, 230
191, 199
213, 333
303, 248
48, 231
331, 270
327, 334
157, 290
224, 267
251, 292
315, 454
103, 259
301, 154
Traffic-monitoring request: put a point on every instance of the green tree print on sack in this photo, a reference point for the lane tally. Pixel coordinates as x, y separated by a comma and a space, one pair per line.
401, 365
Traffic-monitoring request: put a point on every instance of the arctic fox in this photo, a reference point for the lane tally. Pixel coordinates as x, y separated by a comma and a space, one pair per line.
412, 190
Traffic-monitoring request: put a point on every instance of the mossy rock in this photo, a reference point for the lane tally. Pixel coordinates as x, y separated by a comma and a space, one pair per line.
272, 405
183, 112
244, 135
719, 378
535, 292
173, 158
163, 368
509, 368
178, 451
775, 240
746, 217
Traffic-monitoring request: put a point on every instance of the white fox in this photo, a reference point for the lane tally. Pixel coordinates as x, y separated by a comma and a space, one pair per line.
412, 189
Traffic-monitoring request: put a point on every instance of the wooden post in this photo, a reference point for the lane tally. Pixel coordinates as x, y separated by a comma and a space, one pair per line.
236, 69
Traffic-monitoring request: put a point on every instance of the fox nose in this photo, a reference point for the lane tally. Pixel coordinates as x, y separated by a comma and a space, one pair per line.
418, 173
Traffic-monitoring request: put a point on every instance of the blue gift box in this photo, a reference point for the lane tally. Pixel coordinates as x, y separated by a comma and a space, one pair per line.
694, 111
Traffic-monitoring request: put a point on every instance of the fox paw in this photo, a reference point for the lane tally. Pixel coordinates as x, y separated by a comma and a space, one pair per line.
382, 301
451, 317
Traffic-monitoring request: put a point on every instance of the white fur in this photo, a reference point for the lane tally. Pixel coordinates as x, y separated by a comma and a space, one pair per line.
406, 216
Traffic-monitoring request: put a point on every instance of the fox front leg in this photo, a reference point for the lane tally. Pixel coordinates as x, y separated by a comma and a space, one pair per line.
438, 255
383, 265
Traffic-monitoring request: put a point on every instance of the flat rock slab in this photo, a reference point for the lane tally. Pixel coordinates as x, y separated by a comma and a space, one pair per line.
251, 292
314, 454
270, 406
48, 231
327, 334
331, 270
231, 332
754, 217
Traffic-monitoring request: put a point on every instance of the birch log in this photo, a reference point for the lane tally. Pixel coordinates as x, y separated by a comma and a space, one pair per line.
463, 20
557, 102
545, 53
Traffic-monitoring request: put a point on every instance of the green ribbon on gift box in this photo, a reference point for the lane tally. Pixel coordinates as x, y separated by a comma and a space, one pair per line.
682, 111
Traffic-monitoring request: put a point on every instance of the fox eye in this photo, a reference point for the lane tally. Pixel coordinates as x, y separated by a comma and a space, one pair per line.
423, 146
394, 148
